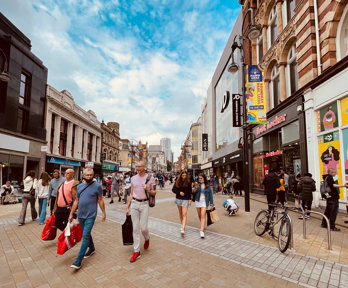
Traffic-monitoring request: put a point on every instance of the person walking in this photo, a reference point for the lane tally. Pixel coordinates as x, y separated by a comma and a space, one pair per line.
203, 199
183, 190
286, 183
89, 194
127, 187
53, 188
115, 187
138, 207
305, 187
28, 196
281, 190
65, 198
42, 194
271, 184
331, 209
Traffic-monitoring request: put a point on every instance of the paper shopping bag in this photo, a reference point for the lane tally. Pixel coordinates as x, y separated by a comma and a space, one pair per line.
69, 237
50, 231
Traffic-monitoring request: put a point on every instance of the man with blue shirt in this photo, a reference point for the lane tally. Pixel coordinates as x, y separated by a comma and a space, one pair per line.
89, 194
53, 188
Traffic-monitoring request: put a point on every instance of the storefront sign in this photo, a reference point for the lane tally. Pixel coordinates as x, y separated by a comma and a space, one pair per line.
270, 124
236, 114
204, 142
55, 160
111, 167
89, 164
255, 95
225, 102
274, 153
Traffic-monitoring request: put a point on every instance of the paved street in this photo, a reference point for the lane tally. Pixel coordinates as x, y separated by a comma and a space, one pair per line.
230, 255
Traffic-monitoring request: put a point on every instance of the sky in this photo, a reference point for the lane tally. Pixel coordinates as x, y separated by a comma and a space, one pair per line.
144, 64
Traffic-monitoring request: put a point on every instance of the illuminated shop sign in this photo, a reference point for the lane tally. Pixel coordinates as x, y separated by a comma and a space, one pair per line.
270, 124
274, 153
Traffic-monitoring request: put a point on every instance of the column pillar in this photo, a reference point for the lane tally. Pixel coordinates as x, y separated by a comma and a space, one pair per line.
99, 149
85, 144
48, 129
78, 142
94, 144
282, 80
267, 95
264, 39
279, 16
69, 139
57, 123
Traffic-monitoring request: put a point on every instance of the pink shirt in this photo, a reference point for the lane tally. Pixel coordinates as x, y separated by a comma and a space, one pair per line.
137, 185
67, 193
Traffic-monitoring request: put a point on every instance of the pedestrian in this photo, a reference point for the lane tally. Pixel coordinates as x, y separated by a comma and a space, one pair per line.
53, 188
281, 190
203, 199
115, 187
286, 184
237, 185
161, 179
294, 189
138, 207
331, 209
109, 186
88, 195
7, 189
127, 187
42, 194
66, 194
183, 190
271, 184
28, 196
305, 188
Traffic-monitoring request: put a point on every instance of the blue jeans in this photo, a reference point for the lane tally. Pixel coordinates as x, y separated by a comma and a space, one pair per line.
87, 241
42, 209
331, 212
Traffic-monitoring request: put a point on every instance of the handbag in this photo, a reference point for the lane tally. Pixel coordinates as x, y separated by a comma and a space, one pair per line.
151, 196
127, 231
50, 231
214, 215
32, 190
209, 222
325, 190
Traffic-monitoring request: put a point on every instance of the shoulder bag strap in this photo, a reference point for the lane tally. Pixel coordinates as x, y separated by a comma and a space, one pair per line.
147, 180
66, 202
83, 190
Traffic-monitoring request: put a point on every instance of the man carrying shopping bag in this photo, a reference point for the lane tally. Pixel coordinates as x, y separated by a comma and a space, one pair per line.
89, 195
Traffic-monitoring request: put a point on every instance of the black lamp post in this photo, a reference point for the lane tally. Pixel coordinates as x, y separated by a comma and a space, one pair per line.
253, 33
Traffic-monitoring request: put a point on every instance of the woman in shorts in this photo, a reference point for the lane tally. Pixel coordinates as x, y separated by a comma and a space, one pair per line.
183, 190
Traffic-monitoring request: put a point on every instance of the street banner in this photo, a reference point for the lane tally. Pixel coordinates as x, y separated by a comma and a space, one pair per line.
189, 163
204, 142
129, 160
236, 114
255, 95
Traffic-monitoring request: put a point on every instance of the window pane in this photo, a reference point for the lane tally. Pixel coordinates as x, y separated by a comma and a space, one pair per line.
276, 91
290, 132
23, 78
20, 120
293, 77
22, 89
21, 100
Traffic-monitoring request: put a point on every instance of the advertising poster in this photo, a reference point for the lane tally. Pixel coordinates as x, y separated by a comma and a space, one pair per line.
255, 95
345, 154
344, 110
327, 117
329, 155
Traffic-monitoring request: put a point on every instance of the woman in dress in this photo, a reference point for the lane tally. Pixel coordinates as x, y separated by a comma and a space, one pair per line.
183, 190
42, 193
203, 199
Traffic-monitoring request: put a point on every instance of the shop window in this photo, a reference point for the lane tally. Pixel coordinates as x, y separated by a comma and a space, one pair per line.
291, 71
24, 89
291, 132
274, 87
342, 35
272, 31
259, 50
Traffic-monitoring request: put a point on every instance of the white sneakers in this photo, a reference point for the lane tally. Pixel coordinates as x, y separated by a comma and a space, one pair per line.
202, 234
182, 231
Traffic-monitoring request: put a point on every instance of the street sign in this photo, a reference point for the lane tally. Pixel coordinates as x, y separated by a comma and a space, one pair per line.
89, 164
204, 142
236, 112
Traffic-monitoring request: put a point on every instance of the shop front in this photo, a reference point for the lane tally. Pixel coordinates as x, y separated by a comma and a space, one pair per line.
55, 163
280, 144
229, 164
108, 168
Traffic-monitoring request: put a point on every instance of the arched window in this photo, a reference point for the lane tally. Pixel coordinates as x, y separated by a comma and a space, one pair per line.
272, 31
342, 36
274, 87
288, 11
291, 71
115, 156
110, 157
105, 154
259, 50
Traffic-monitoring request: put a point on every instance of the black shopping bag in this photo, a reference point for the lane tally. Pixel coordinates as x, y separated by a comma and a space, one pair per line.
127, 231
209, 222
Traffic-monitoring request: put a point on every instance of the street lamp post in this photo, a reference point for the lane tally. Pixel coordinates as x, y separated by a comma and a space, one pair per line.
253, 33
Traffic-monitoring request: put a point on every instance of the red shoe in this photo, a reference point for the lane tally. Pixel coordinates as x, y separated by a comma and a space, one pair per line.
146, 244
135, 256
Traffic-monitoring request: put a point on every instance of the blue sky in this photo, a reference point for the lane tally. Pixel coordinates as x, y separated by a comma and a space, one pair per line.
144, 64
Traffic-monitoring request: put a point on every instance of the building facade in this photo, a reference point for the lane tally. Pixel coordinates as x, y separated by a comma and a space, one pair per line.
110, 147
157, 158
22, 105
73, 134
167, 148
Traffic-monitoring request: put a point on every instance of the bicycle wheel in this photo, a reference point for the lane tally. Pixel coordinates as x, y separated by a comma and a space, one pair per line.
284, 234
260, 223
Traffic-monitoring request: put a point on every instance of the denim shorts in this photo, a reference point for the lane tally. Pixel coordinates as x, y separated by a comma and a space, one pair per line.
182, 202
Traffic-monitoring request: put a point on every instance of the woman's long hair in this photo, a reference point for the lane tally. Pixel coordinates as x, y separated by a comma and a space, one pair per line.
181, 182
31, 173
335, 152
45, 178
204, 177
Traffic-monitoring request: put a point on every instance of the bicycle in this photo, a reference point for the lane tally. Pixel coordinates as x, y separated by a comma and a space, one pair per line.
265, 221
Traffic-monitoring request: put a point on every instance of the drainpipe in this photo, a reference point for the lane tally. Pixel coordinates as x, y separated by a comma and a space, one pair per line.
317, 36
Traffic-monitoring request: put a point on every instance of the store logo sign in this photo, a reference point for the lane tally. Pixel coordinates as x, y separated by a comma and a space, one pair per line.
274, 153
270, 124
226, 101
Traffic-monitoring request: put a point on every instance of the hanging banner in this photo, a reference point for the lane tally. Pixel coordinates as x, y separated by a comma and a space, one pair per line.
204, 142
255, 95
129, 160
236, 114
189, 162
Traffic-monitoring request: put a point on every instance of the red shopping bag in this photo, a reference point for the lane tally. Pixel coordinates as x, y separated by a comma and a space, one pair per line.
50, 231
70, 236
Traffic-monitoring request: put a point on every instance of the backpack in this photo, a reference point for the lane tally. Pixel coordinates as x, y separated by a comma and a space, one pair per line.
325, 189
